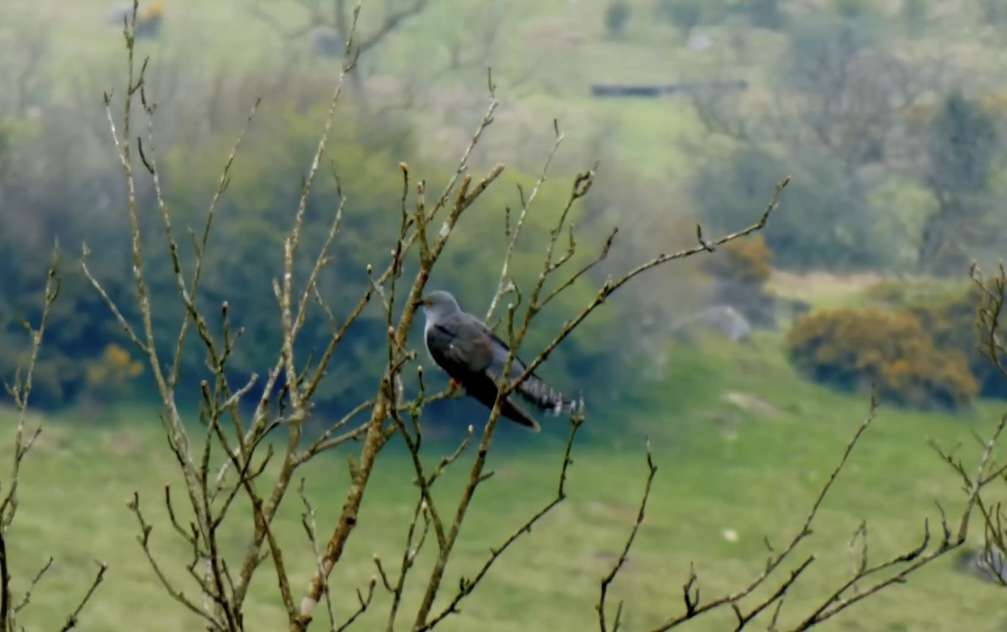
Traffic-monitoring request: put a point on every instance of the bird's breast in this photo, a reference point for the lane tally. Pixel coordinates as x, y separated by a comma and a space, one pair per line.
426, 340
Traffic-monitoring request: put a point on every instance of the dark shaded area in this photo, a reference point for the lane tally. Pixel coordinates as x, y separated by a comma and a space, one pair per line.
689, 88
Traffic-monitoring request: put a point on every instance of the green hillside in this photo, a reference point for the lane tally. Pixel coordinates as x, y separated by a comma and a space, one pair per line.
741, 455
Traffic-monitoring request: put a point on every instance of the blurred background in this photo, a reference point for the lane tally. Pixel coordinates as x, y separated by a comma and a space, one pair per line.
747, 368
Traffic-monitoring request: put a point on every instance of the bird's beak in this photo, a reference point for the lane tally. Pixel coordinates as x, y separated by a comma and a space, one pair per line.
423, 302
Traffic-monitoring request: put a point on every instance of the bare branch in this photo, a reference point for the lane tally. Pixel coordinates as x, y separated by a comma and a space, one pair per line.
21, 392
409, 553
515, 232
610, 577
693, 606
467, 586
176, 594
123, 323
364, 603
376, 435
308, 522
71, 621
26, 599
610, 286
200, 251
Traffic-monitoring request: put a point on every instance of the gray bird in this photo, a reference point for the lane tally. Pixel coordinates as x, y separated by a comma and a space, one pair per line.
472, 355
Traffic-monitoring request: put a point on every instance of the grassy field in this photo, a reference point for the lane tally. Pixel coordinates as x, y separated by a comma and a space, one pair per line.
742, 444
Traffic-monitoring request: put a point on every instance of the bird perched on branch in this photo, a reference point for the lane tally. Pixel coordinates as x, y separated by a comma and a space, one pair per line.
472, 355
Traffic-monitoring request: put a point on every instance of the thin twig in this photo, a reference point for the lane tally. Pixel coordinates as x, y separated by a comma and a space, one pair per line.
695, 608
71, 621
610, 577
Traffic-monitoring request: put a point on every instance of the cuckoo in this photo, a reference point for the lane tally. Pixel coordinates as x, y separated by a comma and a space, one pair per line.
472, 355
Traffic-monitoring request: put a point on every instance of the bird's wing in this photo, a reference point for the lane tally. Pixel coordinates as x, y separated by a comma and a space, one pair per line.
461, 345
464, 347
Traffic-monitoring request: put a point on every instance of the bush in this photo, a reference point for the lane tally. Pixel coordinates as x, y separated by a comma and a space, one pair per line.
110, 373
952, 324
852, 349
948, 315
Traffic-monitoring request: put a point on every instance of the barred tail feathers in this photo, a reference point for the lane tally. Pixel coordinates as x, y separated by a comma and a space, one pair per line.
545, 397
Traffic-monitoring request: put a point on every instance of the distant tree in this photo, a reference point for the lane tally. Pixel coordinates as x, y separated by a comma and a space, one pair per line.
765, 13
685, 14
332, 24
26, 51
853, 9
961, 148
4, 153
914, 15
827, 221
962, 144
994, 12
617, 17
835, 121
842, 99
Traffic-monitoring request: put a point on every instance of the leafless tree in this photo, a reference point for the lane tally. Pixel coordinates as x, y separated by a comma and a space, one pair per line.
229, 461
993, 295
25, 435
334, 24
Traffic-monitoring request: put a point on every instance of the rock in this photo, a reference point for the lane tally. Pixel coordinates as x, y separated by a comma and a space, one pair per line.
749, 403
699, 42
723, 319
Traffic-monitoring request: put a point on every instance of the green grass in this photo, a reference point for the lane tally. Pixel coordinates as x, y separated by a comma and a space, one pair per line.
721, 468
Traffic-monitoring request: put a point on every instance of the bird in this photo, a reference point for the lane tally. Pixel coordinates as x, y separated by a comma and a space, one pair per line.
472, 355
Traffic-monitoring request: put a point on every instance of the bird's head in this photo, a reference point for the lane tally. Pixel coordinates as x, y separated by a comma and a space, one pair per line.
439, 303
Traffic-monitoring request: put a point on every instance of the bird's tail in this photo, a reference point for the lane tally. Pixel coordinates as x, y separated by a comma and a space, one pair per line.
545, 397
511, 411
